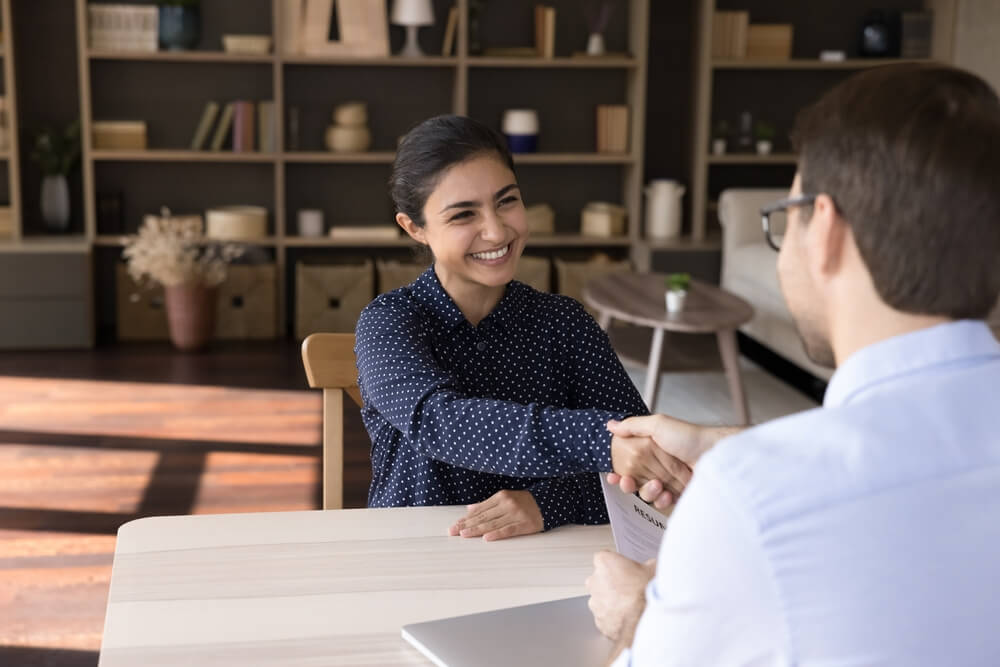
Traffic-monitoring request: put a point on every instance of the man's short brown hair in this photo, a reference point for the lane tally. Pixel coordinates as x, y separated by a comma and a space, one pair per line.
910, 154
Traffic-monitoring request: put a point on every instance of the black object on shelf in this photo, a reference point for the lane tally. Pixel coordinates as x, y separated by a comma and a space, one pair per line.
880, 35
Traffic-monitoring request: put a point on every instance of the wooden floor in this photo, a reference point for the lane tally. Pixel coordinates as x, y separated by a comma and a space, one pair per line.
91, 440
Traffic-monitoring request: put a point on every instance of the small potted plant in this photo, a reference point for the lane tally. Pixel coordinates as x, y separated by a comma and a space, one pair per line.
598, 15
720, 137
179, 24
56, 153
677, 289
764, 134
173, 252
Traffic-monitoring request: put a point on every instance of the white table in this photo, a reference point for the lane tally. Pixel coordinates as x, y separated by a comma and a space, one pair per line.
330, 588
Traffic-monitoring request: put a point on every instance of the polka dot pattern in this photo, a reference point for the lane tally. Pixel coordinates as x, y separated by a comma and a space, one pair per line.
457, 412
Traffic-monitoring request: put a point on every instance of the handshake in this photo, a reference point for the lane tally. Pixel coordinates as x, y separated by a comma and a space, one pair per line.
655, 455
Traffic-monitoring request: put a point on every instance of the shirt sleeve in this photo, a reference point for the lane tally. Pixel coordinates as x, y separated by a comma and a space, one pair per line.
598, 379
576, 499
713, 600
400, 378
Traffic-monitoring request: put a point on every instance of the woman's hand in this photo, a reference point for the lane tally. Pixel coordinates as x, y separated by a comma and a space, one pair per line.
502, 515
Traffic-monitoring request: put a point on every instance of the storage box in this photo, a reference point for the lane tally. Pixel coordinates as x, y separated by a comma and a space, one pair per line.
119, 135
572, 276
246, 306
771, 41
393, 274
330, 298
536, 272
140, 310
236, 223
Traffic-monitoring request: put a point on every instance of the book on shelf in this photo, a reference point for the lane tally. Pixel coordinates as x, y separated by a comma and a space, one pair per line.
362, 232
267, 130
119, 27
449, 32
729, 34
243, 126
612, 128
222, 129
208, 115
545, 31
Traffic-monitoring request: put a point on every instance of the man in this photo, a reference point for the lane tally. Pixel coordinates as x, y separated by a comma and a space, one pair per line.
865, 532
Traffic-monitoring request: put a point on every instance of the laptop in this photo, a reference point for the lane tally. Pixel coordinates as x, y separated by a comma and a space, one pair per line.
560, 632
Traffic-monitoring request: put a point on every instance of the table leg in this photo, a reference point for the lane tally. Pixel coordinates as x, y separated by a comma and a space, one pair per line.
604, 320
653, 370
731, 362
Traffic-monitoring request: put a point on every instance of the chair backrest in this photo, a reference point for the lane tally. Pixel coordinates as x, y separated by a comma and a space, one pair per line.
331, 366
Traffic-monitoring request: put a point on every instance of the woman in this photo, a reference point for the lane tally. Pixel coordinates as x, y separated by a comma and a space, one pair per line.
478, 389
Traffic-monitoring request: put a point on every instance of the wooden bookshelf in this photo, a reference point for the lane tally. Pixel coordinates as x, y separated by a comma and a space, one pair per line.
351, 186
724, 87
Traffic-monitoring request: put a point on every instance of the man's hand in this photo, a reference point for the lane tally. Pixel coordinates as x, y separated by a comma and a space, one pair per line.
502, 515
640, 458
682, 441
617, 594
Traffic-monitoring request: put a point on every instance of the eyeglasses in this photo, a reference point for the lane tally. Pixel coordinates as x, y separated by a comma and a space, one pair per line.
774, 217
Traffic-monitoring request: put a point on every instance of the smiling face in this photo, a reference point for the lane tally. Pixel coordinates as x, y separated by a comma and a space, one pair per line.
474, 224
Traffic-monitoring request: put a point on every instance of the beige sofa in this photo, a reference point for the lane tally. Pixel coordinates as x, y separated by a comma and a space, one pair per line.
749, 270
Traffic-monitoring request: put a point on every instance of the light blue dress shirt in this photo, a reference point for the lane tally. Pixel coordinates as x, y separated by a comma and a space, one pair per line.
865, 532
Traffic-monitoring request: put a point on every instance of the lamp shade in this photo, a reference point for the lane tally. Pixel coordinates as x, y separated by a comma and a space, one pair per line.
412, 12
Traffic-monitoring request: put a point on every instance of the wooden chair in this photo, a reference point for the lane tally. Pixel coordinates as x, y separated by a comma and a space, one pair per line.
331, 366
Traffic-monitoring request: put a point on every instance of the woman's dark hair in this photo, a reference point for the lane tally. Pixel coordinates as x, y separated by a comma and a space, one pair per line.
910, 154
430, 149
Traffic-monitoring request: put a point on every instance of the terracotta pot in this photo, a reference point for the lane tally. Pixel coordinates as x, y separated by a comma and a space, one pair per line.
191, 315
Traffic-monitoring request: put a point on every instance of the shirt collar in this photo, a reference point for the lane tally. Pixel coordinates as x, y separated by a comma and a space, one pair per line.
428, 291
948, 343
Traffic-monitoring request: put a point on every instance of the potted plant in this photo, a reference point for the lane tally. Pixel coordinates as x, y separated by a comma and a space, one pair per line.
720, 136
764, 134
677, 289
56, 153
180, 24
598, 16
174, 253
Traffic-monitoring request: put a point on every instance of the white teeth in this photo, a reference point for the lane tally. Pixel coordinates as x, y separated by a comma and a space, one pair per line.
496, 254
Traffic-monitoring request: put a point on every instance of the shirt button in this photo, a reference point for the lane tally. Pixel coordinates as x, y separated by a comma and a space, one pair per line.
481, 345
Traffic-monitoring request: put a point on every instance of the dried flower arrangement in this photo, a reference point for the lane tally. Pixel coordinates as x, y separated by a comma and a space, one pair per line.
174, 251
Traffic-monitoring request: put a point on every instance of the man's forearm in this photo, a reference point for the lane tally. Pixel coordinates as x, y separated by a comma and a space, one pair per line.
711, 435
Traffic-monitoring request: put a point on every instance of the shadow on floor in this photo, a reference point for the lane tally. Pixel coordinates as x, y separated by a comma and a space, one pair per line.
30, 656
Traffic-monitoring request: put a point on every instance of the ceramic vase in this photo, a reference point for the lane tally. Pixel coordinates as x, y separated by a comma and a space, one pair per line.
191, 315
55, 202
180, 27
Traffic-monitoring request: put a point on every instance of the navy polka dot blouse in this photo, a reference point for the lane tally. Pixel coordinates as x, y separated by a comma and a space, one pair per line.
457, 412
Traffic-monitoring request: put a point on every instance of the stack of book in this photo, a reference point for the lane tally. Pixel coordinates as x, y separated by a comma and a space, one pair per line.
123, 27
612, 128
729, 34
545, 31
243, 126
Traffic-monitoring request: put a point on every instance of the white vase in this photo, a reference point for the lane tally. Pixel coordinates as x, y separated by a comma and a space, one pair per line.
675, 300
718, 146
763, 147
55, 202
595, 44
